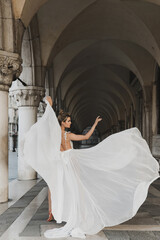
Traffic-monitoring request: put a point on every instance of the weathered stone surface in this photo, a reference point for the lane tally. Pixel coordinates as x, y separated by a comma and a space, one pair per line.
10, 68
156, 146
27, 96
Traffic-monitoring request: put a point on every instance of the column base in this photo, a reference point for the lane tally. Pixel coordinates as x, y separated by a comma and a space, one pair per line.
4, 194
29, 177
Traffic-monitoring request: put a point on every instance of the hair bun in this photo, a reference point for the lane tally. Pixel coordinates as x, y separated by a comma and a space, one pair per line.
61, 111
62, 116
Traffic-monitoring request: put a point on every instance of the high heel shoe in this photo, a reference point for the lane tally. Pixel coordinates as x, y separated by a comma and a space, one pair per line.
50, 218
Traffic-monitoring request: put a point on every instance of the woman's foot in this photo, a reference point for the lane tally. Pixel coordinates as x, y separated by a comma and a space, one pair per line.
50, 218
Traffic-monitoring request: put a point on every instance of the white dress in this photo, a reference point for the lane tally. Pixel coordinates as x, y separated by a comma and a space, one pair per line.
91, 188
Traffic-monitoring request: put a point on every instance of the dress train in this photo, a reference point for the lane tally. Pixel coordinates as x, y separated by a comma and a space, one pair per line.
91, 188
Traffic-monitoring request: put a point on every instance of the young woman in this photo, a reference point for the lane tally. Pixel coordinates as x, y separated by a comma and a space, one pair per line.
65, 122
91, 188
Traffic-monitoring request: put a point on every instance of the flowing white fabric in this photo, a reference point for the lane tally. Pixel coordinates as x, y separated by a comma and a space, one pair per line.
90, 188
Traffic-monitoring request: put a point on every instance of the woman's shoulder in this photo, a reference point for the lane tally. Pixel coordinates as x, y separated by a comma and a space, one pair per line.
68, 134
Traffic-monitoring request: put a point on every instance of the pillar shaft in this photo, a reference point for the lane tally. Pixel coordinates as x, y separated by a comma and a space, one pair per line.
154, 110
27, 117
28, 99
148, 122
12, 111
3, 146
10, 67
155, 121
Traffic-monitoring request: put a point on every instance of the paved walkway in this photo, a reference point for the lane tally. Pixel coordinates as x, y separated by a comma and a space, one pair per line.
24, 216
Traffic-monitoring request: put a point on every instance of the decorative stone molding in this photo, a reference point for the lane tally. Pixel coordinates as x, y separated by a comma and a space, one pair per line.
10, 68
27, 96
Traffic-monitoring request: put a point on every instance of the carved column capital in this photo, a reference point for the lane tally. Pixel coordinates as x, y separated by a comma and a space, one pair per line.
28, 96
10, 68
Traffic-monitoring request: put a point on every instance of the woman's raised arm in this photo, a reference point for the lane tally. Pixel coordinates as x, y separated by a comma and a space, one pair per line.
75, 137
49, 99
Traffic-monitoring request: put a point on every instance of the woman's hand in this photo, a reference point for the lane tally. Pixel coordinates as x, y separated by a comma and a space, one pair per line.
49, 99
75, 137
98, 119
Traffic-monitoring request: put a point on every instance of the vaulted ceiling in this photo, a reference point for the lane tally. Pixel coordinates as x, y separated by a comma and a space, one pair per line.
103, 53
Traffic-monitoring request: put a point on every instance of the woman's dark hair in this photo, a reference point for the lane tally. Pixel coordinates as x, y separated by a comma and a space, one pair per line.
62, 116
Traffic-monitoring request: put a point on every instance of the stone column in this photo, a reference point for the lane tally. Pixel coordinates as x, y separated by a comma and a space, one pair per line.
10, 67
140, 124
125, 116
28, 99
131, 114
155, 122
59, 99
12, 124
148, 122
154, 109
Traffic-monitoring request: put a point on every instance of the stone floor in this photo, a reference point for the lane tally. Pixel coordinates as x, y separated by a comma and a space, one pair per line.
24, 216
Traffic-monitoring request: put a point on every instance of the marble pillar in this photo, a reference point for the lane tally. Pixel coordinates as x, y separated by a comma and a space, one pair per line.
12, 110
148, 122
10, 67
125, 116
155, 133
28, 99
154, 109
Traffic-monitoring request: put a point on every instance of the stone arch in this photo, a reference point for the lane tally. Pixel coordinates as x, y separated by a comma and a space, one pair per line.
107, 97
133, 22
142, 76
33, 72
107, 109
116, 79
6, 26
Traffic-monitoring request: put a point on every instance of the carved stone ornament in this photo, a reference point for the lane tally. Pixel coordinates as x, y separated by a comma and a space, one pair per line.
10, 68
28, 96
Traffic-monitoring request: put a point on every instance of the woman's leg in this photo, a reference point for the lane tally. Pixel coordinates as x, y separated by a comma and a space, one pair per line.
49, 201
50, 218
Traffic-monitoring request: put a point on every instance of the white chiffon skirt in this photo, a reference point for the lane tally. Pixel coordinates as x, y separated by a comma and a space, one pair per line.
91, 188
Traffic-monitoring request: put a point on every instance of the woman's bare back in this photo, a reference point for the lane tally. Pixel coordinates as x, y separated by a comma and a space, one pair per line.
65, 142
